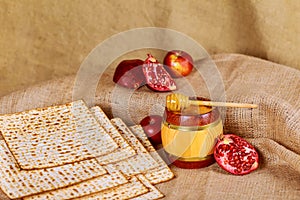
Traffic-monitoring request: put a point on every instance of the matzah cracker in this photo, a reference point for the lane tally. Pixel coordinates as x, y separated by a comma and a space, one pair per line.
16, 183
124, 151
153, 192
53, 136
110, 180
139, 163
161, 173
133, 188
138, 131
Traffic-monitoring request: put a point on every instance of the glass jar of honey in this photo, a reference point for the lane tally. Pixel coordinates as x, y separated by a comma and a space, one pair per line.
189, 135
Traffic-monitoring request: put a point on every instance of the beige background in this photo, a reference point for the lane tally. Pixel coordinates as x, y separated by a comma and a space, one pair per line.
40, 40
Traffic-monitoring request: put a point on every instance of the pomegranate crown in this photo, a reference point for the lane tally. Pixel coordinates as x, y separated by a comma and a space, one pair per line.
151, 58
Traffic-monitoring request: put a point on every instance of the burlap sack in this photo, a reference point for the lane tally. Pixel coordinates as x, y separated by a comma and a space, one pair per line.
273, 128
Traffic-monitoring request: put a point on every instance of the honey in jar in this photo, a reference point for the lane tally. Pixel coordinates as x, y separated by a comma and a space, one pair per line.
189, 135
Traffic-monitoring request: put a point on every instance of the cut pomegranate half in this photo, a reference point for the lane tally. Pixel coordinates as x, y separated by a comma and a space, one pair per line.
157, 78
235, 155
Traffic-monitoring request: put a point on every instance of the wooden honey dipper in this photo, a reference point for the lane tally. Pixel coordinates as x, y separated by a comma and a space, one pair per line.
176, 102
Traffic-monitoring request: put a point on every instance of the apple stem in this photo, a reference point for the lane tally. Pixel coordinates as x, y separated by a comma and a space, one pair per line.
151, 58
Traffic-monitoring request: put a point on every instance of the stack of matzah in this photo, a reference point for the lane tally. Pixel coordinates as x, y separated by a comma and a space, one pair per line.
72, 152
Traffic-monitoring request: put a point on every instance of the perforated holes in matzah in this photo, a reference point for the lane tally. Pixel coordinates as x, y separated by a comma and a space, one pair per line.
161, 173
139, 163
53, 136
110, 180
16, 183
124, 151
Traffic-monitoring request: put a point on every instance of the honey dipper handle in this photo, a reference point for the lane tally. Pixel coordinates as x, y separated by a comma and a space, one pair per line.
222, 104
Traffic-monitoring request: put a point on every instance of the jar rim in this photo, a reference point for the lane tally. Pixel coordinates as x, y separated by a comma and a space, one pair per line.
179, 119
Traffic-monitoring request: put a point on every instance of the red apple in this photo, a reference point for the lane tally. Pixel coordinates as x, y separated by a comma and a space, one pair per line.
178, 63
152, 127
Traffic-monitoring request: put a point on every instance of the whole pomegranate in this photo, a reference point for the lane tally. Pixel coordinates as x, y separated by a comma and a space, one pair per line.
235, 155
129, 74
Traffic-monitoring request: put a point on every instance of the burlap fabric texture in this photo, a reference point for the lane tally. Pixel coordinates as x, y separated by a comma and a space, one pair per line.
273, 128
